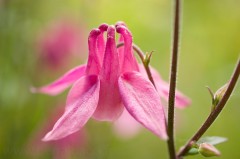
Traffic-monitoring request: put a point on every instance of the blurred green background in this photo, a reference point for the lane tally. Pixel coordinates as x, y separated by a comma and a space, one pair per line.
210, 46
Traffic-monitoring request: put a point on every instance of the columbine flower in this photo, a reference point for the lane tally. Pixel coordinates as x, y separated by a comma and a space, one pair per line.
110, 82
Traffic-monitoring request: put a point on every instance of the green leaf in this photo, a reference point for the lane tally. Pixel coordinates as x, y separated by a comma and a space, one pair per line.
213, 140
147, 58
211, 93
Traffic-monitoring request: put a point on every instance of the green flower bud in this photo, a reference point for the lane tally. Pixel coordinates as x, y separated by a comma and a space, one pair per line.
219, 94
208, 150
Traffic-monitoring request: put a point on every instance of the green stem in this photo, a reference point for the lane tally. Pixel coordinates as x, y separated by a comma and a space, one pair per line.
173, 76
211, 118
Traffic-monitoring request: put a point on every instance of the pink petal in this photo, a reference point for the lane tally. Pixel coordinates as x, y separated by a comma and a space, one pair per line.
121, 49
126, 126
110, 68
143, 102
121, 52
129, 61
109, 106
181, 100
101, 42
78, 110
93, 64
63, 82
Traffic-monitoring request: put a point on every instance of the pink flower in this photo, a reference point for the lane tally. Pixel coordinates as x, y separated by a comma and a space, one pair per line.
126, 126
63, 148
110, 82
59, 42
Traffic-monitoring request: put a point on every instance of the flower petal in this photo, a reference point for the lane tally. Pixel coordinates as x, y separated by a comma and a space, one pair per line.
78, 110
121, 49
93, 64
143, 102
126, 126
129, 61
181, 100
63, 82
110, 105
101, 44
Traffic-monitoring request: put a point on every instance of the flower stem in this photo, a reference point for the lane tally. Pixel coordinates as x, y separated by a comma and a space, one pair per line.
173, 78
211, 118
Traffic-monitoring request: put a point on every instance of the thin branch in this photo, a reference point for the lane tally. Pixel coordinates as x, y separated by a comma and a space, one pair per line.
142, 57
135, 48
173, 78
211, 118
147, 68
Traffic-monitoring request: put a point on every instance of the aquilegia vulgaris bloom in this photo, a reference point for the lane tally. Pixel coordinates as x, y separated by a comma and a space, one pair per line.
110, 82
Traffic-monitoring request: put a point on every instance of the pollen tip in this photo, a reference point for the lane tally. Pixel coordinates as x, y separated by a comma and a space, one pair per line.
103, 27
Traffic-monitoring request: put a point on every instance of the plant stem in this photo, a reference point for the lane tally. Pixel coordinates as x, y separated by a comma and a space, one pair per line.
135, 48
147, 68
173, 78
142, 57
211, 118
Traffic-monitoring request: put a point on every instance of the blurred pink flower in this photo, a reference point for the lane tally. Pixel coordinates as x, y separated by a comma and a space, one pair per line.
63, 148
59, 42
126, 126
109, 82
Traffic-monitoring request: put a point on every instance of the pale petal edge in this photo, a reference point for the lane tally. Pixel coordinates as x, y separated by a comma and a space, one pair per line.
61, 83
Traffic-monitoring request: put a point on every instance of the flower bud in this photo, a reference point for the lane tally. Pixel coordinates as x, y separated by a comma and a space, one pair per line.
208, 150
219, 94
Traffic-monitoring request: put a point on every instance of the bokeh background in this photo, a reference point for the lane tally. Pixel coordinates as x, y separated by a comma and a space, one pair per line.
40, 40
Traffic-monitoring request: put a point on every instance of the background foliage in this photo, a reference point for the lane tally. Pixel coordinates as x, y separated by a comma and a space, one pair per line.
210, 46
